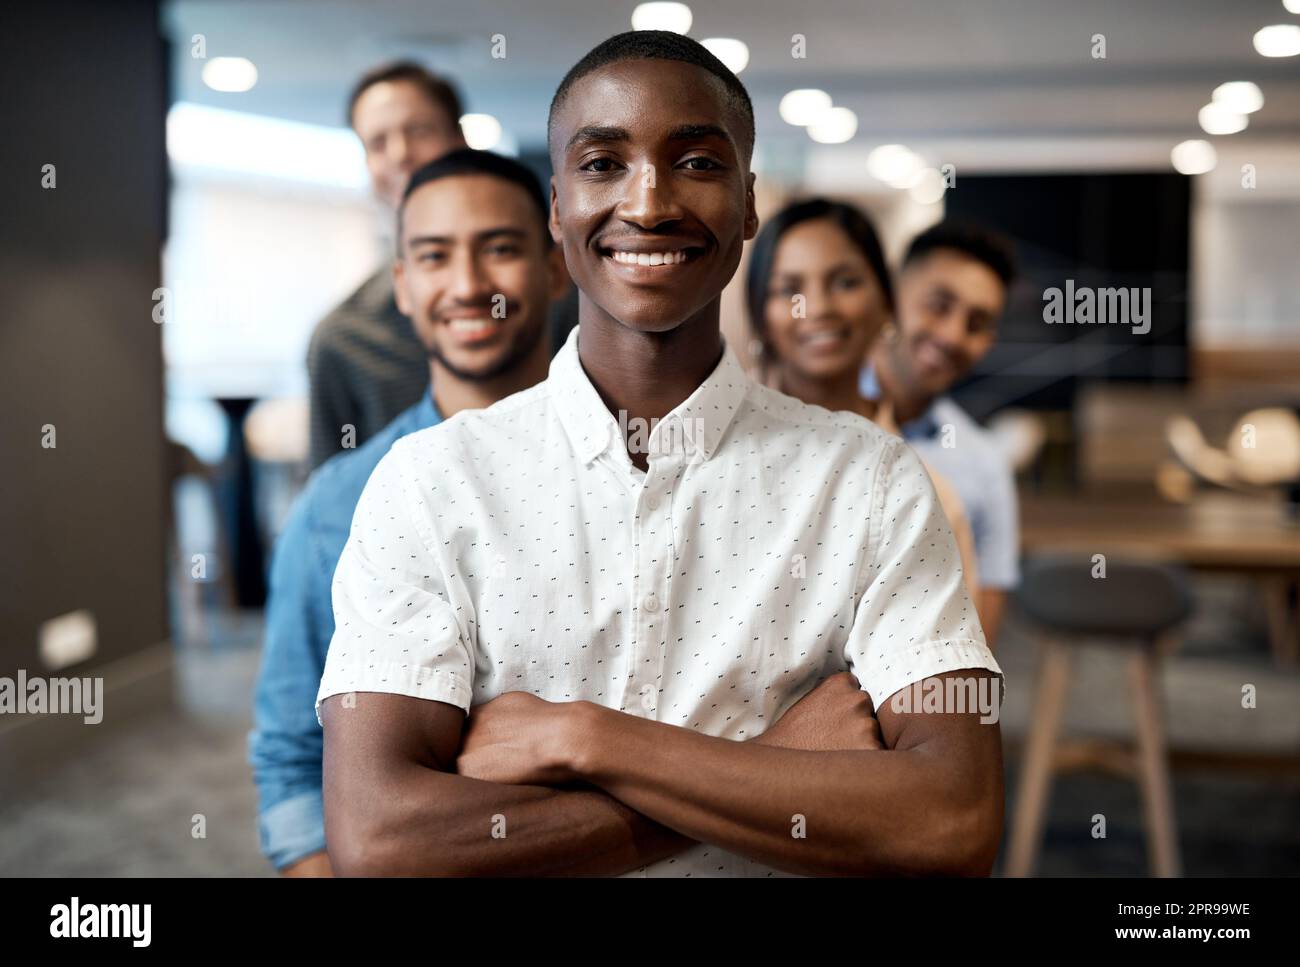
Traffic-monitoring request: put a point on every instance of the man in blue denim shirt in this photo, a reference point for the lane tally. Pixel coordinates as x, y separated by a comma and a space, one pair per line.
476, 272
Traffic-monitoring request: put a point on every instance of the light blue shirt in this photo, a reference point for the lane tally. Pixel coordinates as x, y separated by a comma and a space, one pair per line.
287, 744
948, 440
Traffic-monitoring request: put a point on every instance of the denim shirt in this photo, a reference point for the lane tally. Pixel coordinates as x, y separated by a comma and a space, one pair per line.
286, 744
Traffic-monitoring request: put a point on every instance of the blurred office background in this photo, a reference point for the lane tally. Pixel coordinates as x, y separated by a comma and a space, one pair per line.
202, 146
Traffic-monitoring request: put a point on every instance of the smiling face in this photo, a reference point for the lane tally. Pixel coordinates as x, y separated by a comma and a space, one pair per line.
948, 309
652, 199
401, 129
843, 305
476, 275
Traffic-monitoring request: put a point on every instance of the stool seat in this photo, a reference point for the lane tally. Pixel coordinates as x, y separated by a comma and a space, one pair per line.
1134, 602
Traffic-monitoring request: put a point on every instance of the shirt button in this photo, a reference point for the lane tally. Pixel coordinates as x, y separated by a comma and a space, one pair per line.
652, 502
650, 602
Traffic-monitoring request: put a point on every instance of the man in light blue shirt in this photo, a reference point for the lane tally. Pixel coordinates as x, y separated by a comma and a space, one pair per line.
476, 273
952, 290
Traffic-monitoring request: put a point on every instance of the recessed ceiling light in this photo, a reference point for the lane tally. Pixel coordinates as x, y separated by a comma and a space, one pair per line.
482, 131
675, 17
1280, 40
834, 126
1217, 119
1241, 97
804, 106
733, 53
231, 75
1194, 157
929, 187
895, 165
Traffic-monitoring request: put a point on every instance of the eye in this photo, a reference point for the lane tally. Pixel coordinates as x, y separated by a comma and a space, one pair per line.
504, 248
708, 163
592, 165
431, 258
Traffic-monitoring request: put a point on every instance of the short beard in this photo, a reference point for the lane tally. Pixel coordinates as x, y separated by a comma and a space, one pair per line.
520, 349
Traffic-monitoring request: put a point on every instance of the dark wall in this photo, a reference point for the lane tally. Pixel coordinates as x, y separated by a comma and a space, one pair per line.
1100, 230
82, 525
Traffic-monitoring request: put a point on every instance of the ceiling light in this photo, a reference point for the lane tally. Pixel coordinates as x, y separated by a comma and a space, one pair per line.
1280, 40
675, 17
482, 131
1240, 97
1194, 157
804, 106
895, 165
1217, 119
231, 75
834, 126
733, 53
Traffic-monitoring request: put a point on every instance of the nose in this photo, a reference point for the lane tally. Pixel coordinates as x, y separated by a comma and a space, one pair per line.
468, 284
649, 200
817, 302
399, 151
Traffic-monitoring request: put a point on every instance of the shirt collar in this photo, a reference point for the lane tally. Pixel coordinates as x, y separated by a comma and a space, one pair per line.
923, 427
426, 411
704, 416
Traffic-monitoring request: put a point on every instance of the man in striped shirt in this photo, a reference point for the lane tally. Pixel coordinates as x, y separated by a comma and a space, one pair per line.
365, 363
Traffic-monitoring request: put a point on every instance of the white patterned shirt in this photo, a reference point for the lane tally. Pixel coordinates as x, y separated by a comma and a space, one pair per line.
770, 544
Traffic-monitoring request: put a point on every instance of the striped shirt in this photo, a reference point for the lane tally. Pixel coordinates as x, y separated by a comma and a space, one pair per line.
366, 367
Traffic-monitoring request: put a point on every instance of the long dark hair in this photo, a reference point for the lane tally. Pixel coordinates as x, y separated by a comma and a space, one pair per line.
856, 225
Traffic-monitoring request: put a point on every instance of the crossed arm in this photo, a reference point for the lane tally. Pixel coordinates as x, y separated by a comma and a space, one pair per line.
529, 787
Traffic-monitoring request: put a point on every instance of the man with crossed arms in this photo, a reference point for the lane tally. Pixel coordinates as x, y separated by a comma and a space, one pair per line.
631, 628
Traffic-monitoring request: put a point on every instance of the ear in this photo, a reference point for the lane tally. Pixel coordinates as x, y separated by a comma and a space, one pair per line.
558, 273
554, 222
400, 294
751, 210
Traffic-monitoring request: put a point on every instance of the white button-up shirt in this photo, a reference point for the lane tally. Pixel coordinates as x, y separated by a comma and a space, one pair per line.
770, 544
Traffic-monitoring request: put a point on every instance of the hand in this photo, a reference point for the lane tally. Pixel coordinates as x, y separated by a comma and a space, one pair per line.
316, 864
835, 716
519, 739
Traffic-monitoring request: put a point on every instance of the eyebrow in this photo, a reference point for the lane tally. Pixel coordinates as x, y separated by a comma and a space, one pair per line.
487, 233
596, 133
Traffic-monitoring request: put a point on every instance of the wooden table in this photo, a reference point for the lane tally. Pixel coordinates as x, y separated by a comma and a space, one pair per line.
1216, 531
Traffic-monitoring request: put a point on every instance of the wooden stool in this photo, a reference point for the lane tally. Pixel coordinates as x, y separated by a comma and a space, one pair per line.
1137, 605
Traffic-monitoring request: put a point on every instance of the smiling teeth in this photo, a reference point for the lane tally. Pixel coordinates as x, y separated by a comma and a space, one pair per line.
470, 325
650, 258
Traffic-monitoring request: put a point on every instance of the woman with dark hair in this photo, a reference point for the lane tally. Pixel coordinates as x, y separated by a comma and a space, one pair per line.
819, 295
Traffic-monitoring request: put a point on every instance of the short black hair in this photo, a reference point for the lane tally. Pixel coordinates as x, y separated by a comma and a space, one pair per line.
659, 45
762, 255
982, 244
469, 161
438, 89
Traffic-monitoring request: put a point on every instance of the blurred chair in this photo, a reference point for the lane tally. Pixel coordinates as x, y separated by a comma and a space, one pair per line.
1136, 605
277, 431
1262, 451
277, 437
182, 463
1020, 434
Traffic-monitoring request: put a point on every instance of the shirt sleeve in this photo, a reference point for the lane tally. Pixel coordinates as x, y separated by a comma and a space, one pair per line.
285, 744
396, 627
997, 530
914, 618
